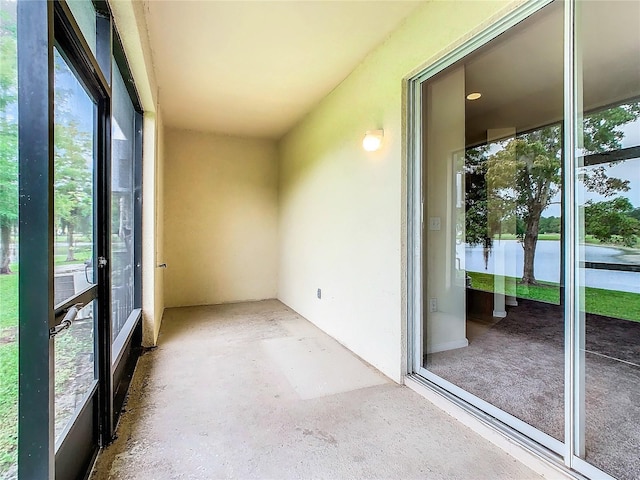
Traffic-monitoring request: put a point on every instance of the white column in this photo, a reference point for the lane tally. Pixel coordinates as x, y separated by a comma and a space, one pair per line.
504, 258
499, 257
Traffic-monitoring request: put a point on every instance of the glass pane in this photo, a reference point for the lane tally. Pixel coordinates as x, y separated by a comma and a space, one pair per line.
494, 324
122, 195
85, 16
608, 187
8, 242
74, 367
73, 183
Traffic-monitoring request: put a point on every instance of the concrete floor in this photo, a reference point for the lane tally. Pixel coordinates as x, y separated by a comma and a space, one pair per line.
253, 390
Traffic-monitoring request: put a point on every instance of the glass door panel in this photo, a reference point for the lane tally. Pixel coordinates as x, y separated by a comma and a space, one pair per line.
494, 326
75, 370
74, 188
608, 225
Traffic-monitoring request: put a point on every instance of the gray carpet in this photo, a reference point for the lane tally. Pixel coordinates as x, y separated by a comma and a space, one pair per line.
517, 364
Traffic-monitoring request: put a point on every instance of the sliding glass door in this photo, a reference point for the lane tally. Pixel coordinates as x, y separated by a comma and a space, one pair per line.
526, 290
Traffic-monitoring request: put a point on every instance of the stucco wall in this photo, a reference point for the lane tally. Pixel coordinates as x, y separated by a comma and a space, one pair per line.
220, 218
342, 210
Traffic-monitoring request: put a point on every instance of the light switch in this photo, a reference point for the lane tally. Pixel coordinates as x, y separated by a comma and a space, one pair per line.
434, 223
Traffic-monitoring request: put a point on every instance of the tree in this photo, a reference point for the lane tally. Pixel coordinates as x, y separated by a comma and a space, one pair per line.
549, 225
8, 137
73, 180
611, 219
476, 207
73, 155
523, 177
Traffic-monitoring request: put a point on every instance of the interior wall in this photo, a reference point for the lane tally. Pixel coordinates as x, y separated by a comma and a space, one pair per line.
342, 210
220, 218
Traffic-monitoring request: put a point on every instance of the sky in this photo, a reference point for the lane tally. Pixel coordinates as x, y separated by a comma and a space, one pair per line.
627, 170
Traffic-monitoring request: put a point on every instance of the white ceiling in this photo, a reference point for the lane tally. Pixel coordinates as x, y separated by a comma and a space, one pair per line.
255, 68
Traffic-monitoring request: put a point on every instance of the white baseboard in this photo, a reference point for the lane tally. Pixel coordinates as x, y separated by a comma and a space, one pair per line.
443, 347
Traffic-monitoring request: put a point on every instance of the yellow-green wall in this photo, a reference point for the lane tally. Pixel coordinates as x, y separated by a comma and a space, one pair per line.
220, 218
342, 210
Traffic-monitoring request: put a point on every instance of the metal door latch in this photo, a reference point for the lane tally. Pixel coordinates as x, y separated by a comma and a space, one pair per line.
66, 322
102, 262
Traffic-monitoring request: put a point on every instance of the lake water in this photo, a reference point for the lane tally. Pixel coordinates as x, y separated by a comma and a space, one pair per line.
547, 264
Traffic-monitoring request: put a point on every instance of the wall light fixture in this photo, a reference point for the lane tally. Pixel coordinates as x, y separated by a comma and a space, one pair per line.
372, 140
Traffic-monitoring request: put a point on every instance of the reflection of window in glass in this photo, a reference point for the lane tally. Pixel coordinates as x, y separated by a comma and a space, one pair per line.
122, 204
9, 268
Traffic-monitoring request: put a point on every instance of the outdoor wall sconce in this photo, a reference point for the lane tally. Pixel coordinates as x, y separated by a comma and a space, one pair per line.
372, 140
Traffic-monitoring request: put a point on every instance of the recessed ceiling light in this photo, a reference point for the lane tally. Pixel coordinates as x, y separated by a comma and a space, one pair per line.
474, 96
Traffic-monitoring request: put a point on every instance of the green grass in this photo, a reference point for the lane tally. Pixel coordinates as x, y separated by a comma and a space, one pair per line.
8, 405
8, 370
544, 292
610, 303
81, 253
9, 299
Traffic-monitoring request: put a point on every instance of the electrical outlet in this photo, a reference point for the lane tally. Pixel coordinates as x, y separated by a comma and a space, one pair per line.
319, 293
433, 304
434, 223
